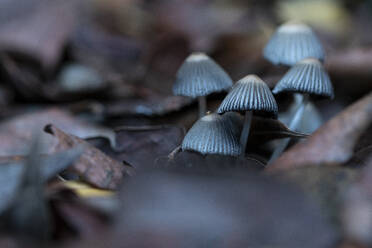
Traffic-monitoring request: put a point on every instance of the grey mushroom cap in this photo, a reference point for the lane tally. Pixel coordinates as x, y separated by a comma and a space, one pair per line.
212, 134
307, 76
199, 75
292, 42
250, 94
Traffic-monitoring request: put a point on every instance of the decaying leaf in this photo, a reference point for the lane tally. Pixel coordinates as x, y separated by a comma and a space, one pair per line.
94, 166
264, 129
84, 220
210, 162
142, 146
332, 143
85, 190
16, 133
27, 204
149, 106
11, 171
110, 53
34, 29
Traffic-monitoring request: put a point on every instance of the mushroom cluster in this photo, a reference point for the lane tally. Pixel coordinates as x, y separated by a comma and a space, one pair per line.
293, 44
296, 45
249, 95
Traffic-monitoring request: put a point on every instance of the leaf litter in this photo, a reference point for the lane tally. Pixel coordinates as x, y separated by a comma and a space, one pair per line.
101, 175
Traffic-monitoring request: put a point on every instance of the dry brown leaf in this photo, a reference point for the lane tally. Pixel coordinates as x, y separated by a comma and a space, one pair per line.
35, 29
142, 146
16, 133
93, 166
332, 143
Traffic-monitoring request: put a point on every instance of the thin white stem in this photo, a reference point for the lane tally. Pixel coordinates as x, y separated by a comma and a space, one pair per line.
202, 106
245, 132
296, 119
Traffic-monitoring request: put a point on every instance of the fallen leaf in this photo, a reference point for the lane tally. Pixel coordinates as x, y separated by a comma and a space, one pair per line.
85, 190
333, 142
27, 204
34, 29
16, 133
141, 146
11, 171
353, 61
210, 162
201, 21
265, 129
84, 220
150, 106
109, 53
94, 166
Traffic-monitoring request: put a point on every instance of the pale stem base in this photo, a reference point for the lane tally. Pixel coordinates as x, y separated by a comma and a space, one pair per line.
245, 132
202, 106
296, 119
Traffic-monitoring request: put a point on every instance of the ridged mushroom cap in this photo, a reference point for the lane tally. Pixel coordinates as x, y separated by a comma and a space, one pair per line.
307, 76
250, 93
199, 75
292, 42
212, 134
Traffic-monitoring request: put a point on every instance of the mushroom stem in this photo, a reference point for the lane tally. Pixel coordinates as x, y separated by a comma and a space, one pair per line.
202, 106
296, 119
245, 132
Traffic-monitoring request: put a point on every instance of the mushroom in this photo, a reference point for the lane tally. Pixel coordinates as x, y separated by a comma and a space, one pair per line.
292, 42
212, 134
249, 95
307, 77
199, 76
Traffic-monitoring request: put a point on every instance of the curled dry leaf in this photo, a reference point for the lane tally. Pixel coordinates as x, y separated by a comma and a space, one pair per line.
16, 133
94, 166
332, 143
264, 129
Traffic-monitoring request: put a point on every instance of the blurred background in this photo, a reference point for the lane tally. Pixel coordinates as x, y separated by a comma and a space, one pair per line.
118, 58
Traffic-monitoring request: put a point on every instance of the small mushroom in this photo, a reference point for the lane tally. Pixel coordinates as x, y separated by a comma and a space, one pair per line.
249, 95
307, 77
292, 42
212, 134
199, 76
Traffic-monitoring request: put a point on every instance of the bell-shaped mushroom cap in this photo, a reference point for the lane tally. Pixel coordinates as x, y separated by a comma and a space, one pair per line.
292, 42
199, 75
212, 134
250, 93
307, 76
